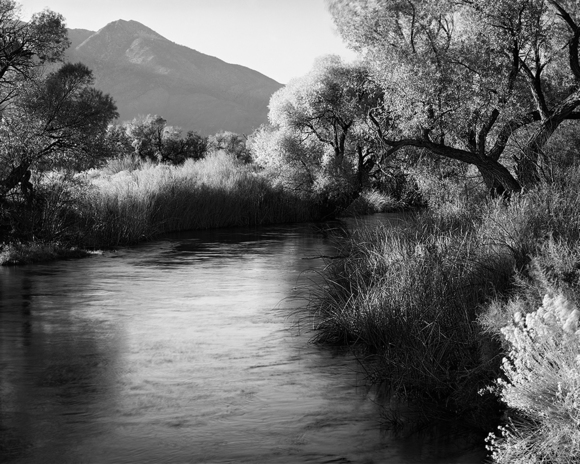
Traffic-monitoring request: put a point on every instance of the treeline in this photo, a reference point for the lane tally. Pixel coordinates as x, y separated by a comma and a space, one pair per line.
150, 138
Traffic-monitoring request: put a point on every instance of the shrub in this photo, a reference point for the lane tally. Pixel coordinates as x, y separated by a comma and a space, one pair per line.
542, 385
370, 202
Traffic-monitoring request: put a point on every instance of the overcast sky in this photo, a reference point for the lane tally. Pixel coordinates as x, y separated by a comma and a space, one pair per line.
279, 38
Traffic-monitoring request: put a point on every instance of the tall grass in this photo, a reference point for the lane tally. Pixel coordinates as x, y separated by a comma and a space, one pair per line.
537, 325
372, 201
424, 304
127, 206
406, 299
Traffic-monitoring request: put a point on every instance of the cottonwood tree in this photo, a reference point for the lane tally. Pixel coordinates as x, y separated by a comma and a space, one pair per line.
326, 112
462, 78
55, 121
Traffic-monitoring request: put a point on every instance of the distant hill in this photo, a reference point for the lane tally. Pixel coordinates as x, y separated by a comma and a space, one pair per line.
147, 74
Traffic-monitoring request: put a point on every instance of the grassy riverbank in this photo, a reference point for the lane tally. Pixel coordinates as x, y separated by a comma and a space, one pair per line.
129, 201
219, 191
427, 306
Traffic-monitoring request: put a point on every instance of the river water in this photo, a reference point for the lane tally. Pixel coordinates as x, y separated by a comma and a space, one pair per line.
189, 349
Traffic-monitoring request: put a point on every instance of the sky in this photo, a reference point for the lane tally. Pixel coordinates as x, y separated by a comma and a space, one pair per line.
279, 38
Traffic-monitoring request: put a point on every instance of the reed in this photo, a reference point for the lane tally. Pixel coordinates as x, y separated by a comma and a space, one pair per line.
406, 299
424, 304
219, 191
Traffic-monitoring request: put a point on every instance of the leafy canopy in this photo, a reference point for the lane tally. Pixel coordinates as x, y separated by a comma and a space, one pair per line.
462, 77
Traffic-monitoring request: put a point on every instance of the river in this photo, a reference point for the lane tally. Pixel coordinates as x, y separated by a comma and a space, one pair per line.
188, 349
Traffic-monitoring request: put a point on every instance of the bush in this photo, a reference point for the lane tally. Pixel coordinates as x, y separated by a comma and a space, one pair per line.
541, 386
370, 202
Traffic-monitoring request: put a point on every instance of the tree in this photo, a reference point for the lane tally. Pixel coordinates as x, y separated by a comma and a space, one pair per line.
327, 112
54, 121
291, 162
192, 146
461, 78
230, 142
149, 137
26, 46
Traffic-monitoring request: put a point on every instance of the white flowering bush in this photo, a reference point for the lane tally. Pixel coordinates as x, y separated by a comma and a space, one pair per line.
541, 386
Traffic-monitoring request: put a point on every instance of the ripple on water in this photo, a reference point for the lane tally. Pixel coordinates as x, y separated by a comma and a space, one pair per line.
183, 350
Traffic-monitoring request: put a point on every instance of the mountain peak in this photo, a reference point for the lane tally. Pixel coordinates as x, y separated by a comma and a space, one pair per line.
148, 74
122, 28
117, 36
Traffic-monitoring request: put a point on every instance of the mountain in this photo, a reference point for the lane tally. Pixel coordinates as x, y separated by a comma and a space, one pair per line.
147, 74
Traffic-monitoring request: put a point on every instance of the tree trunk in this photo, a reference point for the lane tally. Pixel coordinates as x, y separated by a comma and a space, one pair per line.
498, 179
529, 164
18, 175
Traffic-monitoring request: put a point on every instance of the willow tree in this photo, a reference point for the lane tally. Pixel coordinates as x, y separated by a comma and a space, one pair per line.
462, 78
320, 123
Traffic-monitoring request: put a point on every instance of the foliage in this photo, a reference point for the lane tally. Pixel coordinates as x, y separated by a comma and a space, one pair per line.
288, 161
444, 183
318, 128
462, 78
231, 143
371, 202
410, 299
27, 46
542, 383
149, 137
57, 120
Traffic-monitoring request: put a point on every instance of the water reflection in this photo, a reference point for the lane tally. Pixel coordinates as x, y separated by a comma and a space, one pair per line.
182, 350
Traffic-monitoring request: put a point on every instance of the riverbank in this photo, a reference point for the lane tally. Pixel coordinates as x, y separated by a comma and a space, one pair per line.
130, 201
429, 307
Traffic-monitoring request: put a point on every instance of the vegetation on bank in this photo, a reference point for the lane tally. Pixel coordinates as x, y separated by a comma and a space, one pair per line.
130, 200
469, 311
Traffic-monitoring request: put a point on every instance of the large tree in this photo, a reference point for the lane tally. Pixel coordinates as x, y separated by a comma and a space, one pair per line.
58, 120
325, 113
463, 77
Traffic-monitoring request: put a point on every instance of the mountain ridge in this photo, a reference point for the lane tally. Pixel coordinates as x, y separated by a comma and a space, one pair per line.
148, 74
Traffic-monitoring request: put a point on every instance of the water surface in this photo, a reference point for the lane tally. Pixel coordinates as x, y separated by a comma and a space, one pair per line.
184, 350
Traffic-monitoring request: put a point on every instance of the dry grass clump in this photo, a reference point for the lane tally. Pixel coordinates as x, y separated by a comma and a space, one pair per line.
407, 298
370, 202
25, 253
541, 385
218, 191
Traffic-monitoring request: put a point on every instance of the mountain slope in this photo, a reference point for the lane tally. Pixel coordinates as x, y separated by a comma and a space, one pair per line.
148, 74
